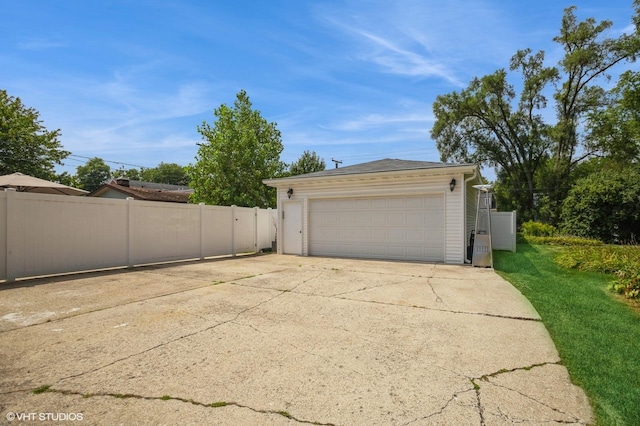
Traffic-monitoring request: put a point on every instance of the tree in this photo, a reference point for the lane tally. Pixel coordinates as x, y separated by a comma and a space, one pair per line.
66, 179
588, 58
133, 174
93, 174
26, 146
170, 173
614, 129
308, 162
240, 149
482, 124
605, 206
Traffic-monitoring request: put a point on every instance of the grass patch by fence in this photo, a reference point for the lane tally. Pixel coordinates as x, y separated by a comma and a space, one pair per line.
597, 336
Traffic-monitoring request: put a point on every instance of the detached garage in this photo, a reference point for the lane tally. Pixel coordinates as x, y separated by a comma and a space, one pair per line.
386, 209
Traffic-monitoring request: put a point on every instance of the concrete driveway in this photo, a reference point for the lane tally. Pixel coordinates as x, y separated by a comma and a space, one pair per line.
280, 340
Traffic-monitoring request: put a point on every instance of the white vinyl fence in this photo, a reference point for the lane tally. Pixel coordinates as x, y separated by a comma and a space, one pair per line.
503, 231
50, 234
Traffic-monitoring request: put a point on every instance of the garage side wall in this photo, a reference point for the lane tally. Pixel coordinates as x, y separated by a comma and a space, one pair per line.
360, 186
455, 215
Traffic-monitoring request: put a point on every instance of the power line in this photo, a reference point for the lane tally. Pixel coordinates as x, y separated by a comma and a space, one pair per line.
108, 161
79, 159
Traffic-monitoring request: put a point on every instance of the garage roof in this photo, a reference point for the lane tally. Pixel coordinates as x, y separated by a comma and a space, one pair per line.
379, 166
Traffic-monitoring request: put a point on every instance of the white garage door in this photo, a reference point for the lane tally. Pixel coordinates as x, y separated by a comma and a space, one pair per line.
405, 228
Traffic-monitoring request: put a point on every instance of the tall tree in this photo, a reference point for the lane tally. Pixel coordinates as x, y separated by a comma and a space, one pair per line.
93, 174
170, 173
483, 123
589, 56
308, 162
614, 129
239, 150
26, 146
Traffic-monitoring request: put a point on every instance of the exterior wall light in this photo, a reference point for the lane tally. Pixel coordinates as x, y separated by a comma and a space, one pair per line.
452, 184
290, 192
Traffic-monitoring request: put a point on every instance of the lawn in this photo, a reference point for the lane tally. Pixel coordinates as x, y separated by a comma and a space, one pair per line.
597, 335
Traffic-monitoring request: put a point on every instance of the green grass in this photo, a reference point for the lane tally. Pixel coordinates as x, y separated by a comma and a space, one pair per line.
597, 335
41, 389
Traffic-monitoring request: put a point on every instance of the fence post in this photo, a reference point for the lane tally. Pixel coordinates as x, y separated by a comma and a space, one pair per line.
11, 269
270, 216
130, 232
201, 231
255, 229
234, 219
514, 227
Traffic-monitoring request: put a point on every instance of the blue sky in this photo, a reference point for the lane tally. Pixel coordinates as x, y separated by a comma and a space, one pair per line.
129, 81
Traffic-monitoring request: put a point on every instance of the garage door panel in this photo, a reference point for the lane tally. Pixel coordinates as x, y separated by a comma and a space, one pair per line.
397, 251
398, 218
378, 219
397, 235
409, 228
415, 203
347, 219
362, 235
378, 234
415, 219
416, 237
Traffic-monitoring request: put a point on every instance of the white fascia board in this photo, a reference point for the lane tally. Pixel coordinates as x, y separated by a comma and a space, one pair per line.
313, 180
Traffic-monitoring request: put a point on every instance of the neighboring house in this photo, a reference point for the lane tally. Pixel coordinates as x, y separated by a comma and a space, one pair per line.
147, 191
386, 209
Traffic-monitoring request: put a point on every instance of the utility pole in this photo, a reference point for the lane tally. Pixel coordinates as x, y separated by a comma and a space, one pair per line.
337, 162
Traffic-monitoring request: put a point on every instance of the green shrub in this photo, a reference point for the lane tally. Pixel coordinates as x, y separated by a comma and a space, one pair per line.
623, 262
628, 283
605, 206
538, 229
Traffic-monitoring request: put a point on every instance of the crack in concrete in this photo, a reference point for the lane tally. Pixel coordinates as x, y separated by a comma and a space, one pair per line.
50, 321
438, 298
479, 403
291, 290
449, 310
442, 409
573, 420
236, 316
426, 308
214, 405
366, 288
376, 273
280, 293
486, 378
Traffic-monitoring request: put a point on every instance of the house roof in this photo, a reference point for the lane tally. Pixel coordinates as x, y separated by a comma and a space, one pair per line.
150, 185
379, 166
146, 194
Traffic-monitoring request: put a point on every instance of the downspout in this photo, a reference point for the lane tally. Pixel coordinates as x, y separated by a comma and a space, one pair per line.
466, 226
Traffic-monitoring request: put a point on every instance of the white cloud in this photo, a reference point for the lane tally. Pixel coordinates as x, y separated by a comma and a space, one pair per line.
428, 39
398, 60
378, 120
